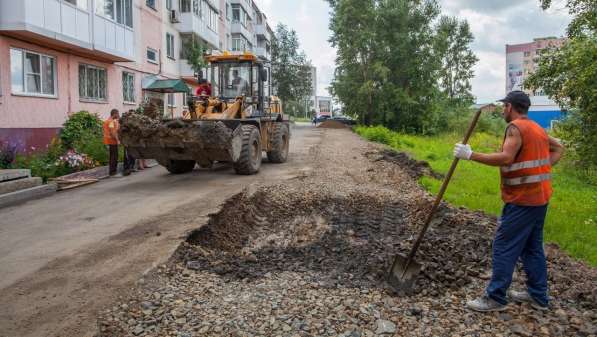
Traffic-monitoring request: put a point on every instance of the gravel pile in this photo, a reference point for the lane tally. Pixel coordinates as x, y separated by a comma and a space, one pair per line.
309, 258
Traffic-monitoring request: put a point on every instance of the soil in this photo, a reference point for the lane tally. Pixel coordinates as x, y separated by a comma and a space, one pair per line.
309, 257
332, 125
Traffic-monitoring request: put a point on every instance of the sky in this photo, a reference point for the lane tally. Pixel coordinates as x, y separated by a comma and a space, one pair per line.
494, 24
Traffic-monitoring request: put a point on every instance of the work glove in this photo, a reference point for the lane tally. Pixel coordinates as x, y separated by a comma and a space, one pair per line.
462, 151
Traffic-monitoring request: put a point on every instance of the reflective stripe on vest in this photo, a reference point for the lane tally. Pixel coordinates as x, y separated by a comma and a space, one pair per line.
527, 180
526, 165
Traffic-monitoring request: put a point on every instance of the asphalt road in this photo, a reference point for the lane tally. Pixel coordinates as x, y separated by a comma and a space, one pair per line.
64, 256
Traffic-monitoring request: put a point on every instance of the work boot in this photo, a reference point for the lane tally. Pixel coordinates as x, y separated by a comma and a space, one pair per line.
524, 297
485, 304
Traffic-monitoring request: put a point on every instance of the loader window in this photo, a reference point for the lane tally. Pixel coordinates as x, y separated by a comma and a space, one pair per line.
236, 79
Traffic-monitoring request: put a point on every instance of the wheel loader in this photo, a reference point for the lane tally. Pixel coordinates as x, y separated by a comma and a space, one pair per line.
236, 124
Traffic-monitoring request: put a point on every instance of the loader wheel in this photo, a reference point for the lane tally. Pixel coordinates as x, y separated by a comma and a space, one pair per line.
180, 166
250, 154
280, 140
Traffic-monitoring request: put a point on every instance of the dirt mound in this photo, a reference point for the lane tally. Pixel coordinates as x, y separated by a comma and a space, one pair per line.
330, 124
348, 241
414, 168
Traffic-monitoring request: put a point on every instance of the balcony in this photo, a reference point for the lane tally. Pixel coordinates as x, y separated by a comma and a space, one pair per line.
262, 53
262, 31
245, 4
192, 24
238, 28
67, 28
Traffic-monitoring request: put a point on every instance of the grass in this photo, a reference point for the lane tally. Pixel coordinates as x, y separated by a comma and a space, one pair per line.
572, 217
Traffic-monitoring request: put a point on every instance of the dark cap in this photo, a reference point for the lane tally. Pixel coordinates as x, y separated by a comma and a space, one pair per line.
517, 97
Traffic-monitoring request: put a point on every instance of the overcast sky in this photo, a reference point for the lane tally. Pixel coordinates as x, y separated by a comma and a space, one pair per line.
494, 23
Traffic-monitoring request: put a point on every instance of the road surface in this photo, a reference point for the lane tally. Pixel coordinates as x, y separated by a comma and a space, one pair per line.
64, 257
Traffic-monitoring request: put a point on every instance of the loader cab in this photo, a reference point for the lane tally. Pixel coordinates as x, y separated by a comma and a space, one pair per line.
241, 75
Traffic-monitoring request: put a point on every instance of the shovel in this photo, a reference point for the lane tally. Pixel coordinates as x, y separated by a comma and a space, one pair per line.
405, 269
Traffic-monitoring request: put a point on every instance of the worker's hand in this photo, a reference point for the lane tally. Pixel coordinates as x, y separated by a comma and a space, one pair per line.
462, 151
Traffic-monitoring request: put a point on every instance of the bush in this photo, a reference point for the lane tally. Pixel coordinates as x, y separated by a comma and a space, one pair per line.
457, 121
79, 126
7, 155
93, 146
45, 165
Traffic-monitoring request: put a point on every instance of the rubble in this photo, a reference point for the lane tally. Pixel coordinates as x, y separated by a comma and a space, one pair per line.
309, 257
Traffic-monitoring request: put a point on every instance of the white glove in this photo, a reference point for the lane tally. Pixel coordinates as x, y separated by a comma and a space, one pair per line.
462, 151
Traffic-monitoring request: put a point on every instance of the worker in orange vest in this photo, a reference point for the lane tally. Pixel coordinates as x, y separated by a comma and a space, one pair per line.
111, 127
525, 162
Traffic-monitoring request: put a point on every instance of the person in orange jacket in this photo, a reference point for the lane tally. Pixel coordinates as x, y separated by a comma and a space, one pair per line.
525, 162
111, 127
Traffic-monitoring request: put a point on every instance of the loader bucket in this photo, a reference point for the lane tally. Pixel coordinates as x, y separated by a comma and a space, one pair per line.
182, 140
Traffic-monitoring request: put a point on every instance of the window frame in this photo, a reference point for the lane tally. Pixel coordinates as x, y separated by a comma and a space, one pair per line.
78, 4
170, 46
125, 14
132, 77
24, 91
93, 99
168, 96
155, 52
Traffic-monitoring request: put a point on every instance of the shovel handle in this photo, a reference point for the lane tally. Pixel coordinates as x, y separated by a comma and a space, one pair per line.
442, 190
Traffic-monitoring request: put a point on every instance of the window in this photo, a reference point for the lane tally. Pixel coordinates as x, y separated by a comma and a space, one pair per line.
211, 17
152, 55
196, 7
92, 83
128, 87
169, 5
32, 73
185, 6
120, 11
79, 3
150, 3
227, 12
171, 101
527, 53
184, 99
170, 45
236, 14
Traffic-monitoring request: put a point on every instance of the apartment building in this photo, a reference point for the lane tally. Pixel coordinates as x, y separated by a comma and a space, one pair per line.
521, 61
63, 56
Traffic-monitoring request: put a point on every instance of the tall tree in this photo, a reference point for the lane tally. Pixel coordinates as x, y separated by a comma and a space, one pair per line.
291, 69
569, 76
453, 40
355, 83
387, 66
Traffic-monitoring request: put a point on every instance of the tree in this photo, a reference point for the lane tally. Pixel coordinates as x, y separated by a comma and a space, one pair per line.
569, 76
391, 68
353, 27
194, 52
452, 45
291, 69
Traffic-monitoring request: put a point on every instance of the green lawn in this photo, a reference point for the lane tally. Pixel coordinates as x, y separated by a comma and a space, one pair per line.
572, 216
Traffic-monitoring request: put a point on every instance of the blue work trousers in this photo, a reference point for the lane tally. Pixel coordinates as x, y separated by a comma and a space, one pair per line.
519, 235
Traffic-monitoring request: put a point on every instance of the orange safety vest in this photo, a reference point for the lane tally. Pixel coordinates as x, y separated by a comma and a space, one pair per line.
527, 182
108, 139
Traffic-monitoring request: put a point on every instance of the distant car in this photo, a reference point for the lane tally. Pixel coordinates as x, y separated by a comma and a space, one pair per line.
321, 118
345, 120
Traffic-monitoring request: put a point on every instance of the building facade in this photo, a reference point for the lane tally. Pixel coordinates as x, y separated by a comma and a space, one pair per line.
63, 56
521, 61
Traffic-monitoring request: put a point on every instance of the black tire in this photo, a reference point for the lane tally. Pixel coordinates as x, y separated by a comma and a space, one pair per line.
180, 166
250, 154
280, 143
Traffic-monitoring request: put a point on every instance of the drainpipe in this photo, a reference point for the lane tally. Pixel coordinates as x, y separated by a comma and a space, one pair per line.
68, 75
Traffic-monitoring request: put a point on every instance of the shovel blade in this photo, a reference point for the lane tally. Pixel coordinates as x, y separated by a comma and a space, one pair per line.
402, 277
